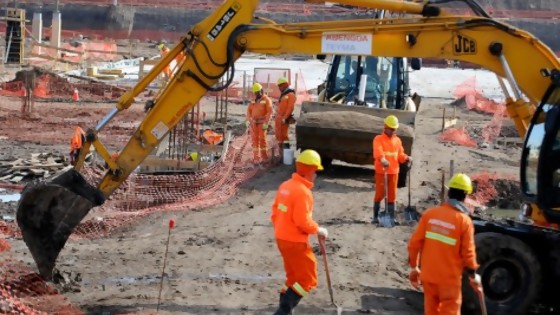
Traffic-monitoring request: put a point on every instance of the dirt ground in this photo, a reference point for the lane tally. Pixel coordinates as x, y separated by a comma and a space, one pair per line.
223, 259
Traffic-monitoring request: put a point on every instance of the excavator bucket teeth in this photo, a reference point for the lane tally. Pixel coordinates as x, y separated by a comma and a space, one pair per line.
49, 211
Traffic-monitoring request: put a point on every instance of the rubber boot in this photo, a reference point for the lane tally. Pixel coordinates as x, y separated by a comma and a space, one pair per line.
376, 208
288, 302
391, 210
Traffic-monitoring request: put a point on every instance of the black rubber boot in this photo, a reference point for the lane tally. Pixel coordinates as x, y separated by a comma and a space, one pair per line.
288, 302
391, 210
376, 208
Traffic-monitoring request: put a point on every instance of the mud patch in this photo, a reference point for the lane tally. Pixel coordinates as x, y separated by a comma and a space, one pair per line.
508, 194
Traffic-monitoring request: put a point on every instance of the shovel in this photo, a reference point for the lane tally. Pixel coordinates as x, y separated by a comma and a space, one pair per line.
324, 254
385, 219
410, 212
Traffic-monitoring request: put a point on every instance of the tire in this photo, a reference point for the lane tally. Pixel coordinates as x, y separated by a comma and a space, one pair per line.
511, 275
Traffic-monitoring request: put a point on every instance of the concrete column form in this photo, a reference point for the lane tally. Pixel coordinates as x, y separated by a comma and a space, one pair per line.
55, 29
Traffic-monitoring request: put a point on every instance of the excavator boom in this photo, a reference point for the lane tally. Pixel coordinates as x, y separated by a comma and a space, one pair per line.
49, 211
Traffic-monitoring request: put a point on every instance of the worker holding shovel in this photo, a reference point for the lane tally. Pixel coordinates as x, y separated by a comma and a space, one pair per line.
444, 239
293, 223
388, 154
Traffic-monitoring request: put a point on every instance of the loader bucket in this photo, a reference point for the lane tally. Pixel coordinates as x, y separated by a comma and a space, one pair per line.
49, 211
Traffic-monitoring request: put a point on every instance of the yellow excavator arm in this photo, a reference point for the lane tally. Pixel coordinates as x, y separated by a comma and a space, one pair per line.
212, 47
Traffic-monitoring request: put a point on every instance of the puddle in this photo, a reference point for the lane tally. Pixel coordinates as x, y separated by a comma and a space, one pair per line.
9, 197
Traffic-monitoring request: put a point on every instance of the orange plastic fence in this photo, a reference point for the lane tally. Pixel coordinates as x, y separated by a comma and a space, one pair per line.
22, 291
475, 100
486, 190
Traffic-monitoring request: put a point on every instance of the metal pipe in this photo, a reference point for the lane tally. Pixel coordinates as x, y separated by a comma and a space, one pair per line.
106, 119
509, 75
503, 86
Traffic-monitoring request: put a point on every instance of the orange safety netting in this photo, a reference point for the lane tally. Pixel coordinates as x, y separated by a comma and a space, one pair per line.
52, 87
485, 188
22, 291
476, 101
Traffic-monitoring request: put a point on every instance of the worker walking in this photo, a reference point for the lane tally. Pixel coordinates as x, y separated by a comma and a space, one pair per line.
444, 239
284, 114
76, 142
388, 154
293, 223
259, 113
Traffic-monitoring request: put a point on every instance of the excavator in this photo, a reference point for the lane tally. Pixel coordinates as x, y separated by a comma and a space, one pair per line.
520, 259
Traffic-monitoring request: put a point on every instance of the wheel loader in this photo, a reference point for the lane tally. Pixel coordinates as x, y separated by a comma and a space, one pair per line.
341, 125
519, 259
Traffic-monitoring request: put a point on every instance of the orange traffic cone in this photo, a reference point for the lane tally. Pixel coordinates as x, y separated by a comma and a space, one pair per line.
75, 96
22, 92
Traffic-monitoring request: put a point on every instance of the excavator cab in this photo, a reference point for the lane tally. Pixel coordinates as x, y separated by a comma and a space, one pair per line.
384, 81
540, 168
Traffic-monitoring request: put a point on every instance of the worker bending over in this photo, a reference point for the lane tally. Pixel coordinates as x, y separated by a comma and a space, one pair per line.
259, 113
444, 239
284, 114
76, 143
388, 154
293, 223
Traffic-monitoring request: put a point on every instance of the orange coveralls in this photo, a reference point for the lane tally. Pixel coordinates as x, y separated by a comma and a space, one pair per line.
392, 150
286, 105
76, 143
259, 112
167, 69
293, 223
445, 240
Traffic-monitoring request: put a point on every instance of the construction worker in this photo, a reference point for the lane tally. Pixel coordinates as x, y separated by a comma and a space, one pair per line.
76, 142
293, 223
445, 240
388, 154
164, 51
284, 112
259, 113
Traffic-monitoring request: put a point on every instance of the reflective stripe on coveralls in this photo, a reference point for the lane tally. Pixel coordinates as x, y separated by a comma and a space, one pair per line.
445, 240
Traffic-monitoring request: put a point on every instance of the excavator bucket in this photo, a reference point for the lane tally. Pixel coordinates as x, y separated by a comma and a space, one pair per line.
49, 211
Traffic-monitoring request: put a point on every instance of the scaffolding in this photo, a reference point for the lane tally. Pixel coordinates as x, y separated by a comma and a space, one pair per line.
15, 36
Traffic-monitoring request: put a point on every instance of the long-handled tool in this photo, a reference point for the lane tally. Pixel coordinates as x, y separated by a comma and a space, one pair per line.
385, 219
324, 254
171, 226
410, 213
480, 294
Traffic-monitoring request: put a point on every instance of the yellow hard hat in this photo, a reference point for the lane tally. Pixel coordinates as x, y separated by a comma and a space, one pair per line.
392, 122
194, 156
257, 87
282, 80
310, 157
160, 46
462, 182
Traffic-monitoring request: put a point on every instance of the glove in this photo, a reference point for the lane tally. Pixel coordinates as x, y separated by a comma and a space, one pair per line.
384, 162
414, 277
476, 283
247, 123
323, 232
265, 126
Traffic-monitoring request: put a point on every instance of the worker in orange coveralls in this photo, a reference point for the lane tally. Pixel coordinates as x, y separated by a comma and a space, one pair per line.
286, 104
164, 51
388, 154
259, 113
293, 223
76, 143
445, 240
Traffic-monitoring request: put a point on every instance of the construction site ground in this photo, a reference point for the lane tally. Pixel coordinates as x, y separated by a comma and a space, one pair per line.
223, 259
